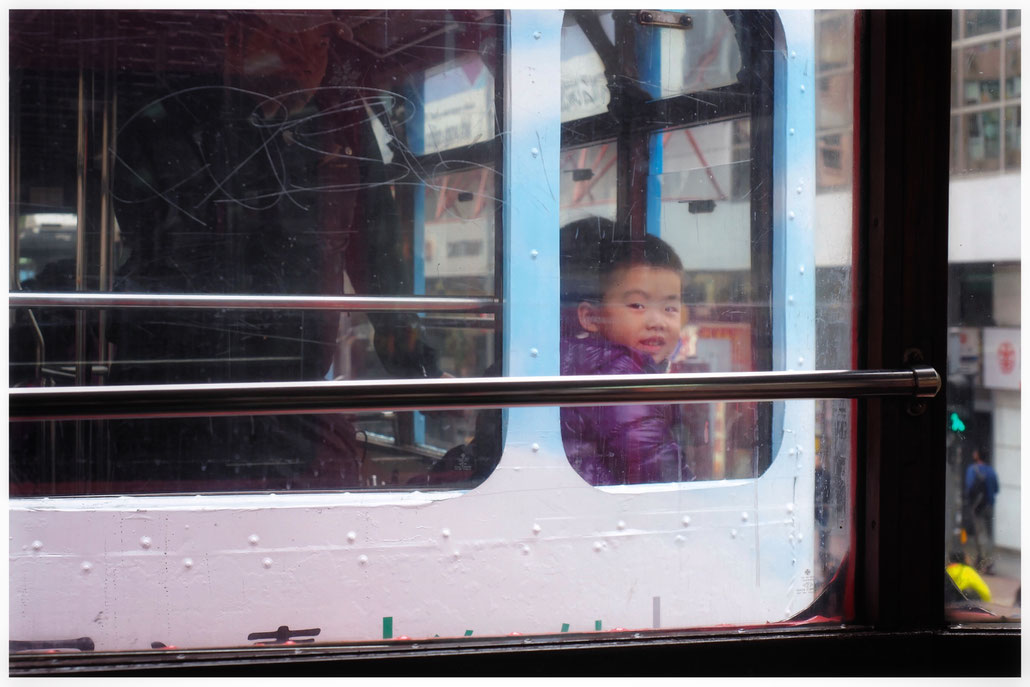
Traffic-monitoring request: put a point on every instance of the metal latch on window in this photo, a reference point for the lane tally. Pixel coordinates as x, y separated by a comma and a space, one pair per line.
671, 20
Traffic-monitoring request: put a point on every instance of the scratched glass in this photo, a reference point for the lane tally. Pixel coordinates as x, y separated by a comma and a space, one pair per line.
256, 154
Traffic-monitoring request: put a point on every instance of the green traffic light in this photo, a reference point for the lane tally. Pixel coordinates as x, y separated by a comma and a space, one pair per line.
956, 423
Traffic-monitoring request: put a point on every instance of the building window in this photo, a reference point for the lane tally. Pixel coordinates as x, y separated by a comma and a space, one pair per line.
985, 104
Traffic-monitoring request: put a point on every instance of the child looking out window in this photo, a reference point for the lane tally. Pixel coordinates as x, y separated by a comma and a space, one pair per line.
622, 314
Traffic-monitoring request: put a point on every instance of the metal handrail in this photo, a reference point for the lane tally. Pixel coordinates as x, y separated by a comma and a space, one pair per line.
100, 300
274, 398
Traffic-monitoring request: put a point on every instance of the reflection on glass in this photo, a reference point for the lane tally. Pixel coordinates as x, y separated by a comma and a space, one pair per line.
330, 452
706, 57
460, 217
257, 153
588, 181
584, 84
704, 182
674, 54
459, 105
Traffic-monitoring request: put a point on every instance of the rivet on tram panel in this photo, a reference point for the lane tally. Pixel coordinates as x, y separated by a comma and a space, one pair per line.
267, 562
37, 545
793, 54
254, 539
801, 360
790, 299
790, 507
686, 520
537, 35
87, 566
351, 536
791, 452
598, 546
744, 516
457, 555
534, 352
800, 536
535, 447
621, 525
188, 563
733, 533
144, 542
799, 189
445, 532
790, 538
534, 253
801, 269
802, 88
362, 559
680, 539
534, 152
536, 529
790, 215
525, 550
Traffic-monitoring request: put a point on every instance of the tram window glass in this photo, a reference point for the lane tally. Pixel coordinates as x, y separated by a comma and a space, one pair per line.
665, 120
588, 181
256, 154
761, 493
982, 537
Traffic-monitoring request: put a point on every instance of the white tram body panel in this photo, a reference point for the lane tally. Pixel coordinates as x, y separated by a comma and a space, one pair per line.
534, 549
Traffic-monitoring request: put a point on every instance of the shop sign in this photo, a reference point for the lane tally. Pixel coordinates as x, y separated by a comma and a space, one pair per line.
1001, 357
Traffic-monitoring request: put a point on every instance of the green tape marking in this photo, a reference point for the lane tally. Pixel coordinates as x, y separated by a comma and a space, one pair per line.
468, 633
597, 625
564, 627
388, 627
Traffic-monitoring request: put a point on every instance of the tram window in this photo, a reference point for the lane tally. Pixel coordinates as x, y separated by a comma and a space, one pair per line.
665, 120
680, 160
254, 154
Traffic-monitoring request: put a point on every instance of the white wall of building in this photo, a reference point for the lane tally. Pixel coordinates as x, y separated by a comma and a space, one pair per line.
983, 223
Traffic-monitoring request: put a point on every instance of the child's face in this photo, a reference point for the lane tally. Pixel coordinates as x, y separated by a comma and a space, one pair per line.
640, 309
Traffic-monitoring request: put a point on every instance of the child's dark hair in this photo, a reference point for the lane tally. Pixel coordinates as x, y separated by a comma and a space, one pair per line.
593, 249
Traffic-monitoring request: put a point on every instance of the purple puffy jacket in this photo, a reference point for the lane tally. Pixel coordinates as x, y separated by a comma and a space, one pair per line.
618, 444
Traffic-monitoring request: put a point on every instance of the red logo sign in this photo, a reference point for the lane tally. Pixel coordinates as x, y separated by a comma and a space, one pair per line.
1006, 357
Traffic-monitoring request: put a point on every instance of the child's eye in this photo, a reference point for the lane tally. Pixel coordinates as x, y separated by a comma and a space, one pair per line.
636, 306
672, 309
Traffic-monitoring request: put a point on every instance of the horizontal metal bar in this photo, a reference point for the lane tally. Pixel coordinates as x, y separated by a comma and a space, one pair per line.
97, 300
273, 398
